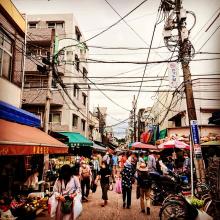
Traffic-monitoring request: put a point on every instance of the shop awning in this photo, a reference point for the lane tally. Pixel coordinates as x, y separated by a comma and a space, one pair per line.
211, 143
76, 139
139, 145
17, 139
99, 148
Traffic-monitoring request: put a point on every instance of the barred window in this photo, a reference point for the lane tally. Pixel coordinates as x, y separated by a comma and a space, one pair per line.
6, 51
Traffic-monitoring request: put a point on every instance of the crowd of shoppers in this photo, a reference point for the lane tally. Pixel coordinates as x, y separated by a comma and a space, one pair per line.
125, 169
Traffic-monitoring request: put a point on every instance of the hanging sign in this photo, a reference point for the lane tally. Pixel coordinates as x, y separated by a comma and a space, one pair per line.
173, 74
196, 139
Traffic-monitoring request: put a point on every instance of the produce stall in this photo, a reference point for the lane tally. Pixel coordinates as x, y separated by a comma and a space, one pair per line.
22, 207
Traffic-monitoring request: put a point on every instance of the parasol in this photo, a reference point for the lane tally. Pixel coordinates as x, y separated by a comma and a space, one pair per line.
140, 145
174, 144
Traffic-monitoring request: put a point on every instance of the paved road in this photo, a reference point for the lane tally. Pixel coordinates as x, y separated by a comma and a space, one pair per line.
92, 209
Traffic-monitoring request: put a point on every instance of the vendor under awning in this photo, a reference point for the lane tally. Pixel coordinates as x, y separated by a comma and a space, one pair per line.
18, 139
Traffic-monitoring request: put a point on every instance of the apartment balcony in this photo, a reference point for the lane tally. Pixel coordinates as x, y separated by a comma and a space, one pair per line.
43, 35
37, 97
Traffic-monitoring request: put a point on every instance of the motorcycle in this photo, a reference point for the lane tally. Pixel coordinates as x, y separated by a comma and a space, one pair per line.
164, 185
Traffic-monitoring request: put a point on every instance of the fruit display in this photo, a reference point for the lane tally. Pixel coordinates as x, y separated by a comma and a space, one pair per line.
197, 202
20, 206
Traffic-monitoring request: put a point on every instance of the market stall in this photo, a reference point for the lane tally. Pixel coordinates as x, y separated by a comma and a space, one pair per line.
79, 145
22, 149
142, 146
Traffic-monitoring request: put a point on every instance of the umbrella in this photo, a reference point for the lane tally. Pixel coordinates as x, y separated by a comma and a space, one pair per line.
140, 145
174, 144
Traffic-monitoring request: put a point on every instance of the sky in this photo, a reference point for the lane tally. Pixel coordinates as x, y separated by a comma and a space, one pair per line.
94, 16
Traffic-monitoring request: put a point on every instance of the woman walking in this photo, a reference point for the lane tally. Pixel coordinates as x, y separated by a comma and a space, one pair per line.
144, 184
65, 189
127, 180
103, 176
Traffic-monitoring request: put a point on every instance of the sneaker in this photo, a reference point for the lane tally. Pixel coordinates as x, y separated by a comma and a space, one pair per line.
148, 211
143, 211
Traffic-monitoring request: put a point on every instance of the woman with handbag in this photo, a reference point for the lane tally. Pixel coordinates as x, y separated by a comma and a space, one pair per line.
103, 176
65, 189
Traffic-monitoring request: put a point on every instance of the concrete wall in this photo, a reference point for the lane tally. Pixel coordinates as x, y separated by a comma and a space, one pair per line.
13, 25
10, 93
205, 93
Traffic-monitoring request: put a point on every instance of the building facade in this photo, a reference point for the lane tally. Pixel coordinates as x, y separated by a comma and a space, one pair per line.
171, 111
12, 40
69, 109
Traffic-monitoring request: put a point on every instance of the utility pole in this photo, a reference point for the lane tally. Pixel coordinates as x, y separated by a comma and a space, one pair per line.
134, 112
184, 53
49, 84
47, 104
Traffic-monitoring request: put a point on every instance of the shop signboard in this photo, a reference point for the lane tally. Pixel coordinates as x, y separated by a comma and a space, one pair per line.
196, 139
173, 74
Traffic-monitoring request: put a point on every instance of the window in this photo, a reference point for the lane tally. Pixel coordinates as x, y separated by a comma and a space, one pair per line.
55, 117
75, 121
32, 25
77, 62
83, 125
85, 73
84, 99
5, 56
76, 91
51, 25
59, 25
56, 25
178, 120
69, 56
78, 33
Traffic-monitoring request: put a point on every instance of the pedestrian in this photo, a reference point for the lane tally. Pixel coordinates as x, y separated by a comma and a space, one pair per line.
32, 183
127, 178
107, 158
114, 165
103, 176
122, 159
95, 169
151, 163
186, 165
65, 189
95, 164
85, 178
144, 184
140, 159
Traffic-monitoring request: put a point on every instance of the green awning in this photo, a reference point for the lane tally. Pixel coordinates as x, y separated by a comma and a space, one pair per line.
163, 134
76, 139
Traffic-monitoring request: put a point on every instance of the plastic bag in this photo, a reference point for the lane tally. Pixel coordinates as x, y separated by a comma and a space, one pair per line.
77, 208
52, 205
118, 187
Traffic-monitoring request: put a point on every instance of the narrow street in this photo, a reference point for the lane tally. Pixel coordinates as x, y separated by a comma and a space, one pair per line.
114, 211
92, 209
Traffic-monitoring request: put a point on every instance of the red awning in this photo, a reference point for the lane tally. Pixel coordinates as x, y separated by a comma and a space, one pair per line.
139, 145
17, 139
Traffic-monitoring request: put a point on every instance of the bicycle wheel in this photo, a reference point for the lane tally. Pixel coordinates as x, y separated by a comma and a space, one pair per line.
173, 211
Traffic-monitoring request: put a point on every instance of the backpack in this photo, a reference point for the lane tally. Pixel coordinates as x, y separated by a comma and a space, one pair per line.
144, 179
85, 173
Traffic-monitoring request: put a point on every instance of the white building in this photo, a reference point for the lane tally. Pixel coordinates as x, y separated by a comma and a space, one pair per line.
67, 114
171, 111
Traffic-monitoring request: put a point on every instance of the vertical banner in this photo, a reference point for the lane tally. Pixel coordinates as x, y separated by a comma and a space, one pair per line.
196, 139
173, 74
